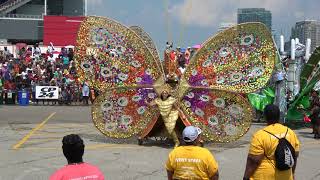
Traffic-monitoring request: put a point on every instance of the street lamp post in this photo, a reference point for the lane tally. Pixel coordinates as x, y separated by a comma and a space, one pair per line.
45, 7
287, 81
279, 78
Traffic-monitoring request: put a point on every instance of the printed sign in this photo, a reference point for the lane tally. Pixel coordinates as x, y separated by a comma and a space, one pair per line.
47, 92
24, 95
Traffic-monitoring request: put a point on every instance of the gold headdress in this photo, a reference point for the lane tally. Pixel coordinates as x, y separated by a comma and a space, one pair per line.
160, 86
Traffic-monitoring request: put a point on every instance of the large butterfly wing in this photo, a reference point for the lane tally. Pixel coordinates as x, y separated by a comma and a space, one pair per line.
149, 43
114, 59
109, 54
147, 40
123, 113
240, 59
223, 116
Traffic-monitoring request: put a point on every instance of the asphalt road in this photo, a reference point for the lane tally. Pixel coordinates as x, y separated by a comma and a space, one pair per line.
30, 141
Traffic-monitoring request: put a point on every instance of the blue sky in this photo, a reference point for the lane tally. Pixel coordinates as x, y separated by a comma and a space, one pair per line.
193, 21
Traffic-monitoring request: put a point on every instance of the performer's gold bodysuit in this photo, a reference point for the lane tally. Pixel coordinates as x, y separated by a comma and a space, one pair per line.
169, 115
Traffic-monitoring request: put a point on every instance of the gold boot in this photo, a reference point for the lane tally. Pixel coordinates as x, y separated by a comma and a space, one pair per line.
175, 139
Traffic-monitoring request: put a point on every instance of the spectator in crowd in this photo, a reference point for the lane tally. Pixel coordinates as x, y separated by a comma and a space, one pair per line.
1, 59
187, 55
169, 46
191, 161
66, 62
51, 59
37, 52
69, 95
1, 84
315, 105
73, 69
9, 85
73, 150
6, 52
85, 93
261, 160
78, 93
70, 54
50, 49
315, 120
34, 83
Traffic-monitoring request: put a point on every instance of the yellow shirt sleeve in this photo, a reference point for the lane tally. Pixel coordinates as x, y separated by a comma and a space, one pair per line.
212, 164
169, 165
256, 147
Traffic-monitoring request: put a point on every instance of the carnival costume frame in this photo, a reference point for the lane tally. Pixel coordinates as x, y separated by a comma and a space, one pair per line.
124, 64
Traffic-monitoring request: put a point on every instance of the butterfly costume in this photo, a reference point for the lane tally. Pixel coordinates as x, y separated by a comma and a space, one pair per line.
124, 64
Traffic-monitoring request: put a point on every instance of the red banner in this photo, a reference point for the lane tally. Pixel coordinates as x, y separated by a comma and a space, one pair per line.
61, 30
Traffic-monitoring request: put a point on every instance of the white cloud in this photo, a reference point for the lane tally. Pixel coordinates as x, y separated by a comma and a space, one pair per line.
209, 13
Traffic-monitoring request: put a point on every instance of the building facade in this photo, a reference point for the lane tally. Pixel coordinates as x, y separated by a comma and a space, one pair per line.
255, 15
309, 29
22, 20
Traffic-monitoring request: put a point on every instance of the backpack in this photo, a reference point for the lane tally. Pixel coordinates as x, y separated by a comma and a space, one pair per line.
285, 154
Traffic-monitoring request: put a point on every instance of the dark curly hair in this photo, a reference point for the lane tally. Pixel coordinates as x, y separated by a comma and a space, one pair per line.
73, 148
272, 113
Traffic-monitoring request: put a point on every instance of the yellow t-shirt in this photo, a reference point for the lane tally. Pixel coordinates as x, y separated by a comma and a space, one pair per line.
191, 162
264, 143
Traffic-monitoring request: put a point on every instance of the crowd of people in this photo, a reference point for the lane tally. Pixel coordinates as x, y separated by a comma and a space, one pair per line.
30, 68
273, 154
176, 60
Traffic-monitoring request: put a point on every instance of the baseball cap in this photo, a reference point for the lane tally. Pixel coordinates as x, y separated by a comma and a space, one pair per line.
191, 133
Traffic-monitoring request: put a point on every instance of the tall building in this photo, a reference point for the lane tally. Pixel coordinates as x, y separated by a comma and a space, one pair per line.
22, 20
255, 15
308, 29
